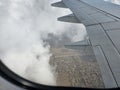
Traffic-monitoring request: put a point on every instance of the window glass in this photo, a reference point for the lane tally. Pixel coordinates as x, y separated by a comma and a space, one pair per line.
36, 46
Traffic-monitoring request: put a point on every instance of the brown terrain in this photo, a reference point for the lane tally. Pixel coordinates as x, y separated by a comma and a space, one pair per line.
76, 67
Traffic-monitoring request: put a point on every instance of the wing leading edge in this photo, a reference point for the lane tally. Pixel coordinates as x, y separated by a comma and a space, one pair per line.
102, 21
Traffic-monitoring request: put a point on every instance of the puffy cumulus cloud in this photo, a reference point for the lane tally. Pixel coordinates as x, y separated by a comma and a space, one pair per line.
24, 26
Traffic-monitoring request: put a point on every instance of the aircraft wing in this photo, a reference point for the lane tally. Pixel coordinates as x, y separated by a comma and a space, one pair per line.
102, 21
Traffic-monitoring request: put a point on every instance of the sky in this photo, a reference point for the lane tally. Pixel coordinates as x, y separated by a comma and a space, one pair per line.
25, 26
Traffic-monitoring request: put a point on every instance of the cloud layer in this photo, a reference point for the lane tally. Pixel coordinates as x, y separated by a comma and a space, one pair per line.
24, 27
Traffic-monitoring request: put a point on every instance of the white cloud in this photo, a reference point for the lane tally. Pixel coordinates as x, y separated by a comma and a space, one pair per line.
23, 26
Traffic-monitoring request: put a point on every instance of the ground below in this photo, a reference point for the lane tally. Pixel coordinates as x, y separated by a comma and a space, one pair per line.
76, 68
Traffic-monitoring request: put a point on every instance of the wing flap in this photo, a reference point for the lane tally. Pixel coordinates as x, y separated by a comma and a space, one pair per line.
115, 38
79, 43
107, 75
99, 37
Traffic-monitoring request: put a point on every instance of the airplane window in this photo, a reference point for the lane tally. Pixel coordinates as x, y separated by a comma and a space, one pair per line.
38, 48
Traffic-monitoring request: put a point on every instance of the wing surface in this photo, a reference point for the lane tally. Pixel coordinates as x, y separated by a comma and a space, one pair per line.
102, 21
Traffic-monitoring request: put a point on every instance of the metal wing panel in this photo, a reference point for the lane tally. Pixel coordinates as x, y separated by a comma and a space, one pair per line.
87, 14
98, 37
108, 78
115, 38
110, 8
111, 25
102, 21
